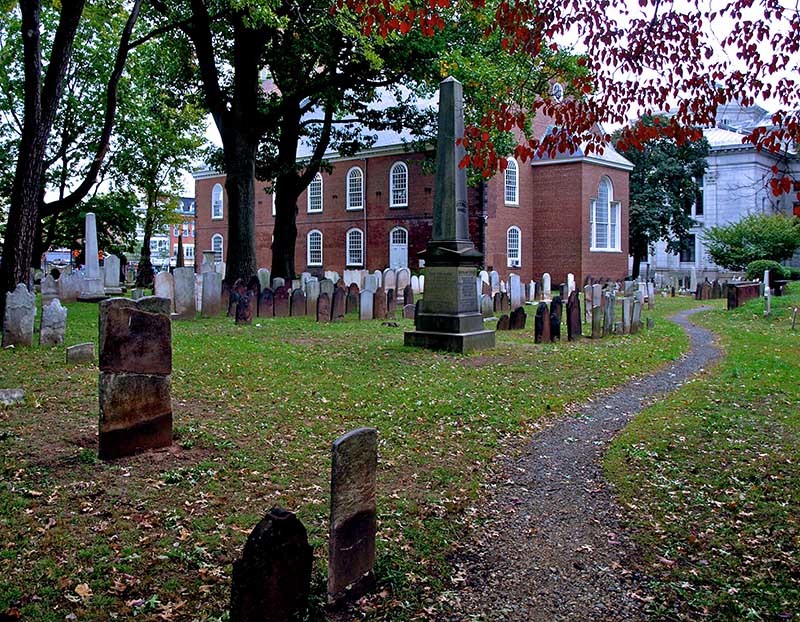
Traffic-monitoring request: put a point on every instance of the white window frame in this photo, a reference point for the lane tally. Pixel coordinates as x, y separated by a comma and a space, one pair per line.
352, 259
188, 251
309, 250
218, 254
398, 193
511, 183
217, 202
312, 192
355, 196
605, 214
514, 255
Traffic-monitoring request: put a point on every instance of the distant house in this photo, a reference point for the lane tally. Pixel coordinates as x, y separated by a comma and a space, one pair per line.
568, 214
735, 184
164, 242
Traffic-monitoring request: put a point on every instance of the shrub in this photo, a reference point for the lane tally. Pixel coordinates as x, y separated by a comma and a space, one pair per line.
794, 273
755, 270
754, 237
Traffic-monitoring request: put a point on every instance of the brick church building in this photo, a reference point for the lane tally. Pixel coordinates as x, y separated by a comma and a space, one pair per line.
567, 214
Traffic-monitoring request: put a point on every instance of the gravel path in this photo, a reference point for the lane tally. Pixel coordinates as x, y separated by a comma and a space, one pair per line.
553, 546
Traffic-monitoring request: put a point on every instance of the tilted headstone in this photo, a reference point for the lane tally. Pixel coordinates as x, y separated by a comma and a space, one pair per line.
49, 290
164, 287
272, 580
183, 279
353, 522
297, 303
338, 304
54, 324
212, 294
135, 376
263, 275
81, 353
487, 306
366, 304
323, 308
574, 328
19, 318
266, 303
379, 305
541, 324
281, 303
517, 319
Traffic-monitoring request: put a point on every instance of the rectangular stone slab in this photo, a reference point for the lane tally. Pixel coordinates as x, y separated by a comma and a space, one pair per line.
133, 340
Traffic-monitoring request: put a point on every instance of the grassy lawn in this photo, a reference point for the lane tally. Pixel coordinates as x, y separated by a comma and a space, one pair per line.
712, 476
256, 409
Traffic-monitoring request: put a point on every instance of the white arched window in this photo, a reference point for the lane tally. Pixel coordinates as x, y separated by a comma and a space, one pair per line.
511, 177
604, 215
216, 202
314, 248
355, 247
398, 185
315, 194
355, 188
216, 246
514, 247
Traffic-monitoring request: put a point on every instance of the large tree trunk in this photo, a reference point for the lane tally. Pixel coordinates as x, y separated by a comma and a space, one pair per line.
240, 168
285, 232
144, 271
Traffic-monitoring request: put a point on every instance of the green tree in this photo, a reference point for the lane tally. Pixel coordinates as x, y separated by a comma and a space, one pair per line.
663, 188
757, 236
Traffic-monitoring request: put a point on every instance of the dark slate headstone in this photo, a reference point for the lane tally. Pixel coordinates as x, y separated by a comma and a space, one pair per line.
225, 298
81, 353
353, 297
408, 295
563, 290
272, 580
716, 289
486, 288
266, 303
338, 304
556, 306
555, 325
379, 306
323, 308
503, 323
574, 328
281, 302
353, 521
518, 319
505, 302
391, 303
541, 324
254, 287
340, 284
245, 308
498, 302
297, 306
133, 340
408, 311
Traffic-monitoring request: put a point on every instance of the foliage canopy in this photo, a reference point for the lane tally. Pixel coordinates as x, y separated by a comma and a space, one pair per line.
757, 236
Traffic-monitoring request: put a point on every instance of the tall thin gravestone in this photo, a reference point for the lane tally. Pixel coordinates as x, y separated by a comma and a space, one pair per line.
353, 522
92, 283
449, 317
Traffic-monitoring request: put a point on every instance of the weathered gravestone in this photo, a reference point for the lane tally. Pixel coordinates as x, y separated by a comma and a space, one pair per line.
164, 287
183, 279
636, 313
555, 318
49, 290
338, 304
541, 324
272, 580
278, 282
326, 286
515, 291
408, 311
245, 308
587, 303
351, 303
19, 318
546, 286
403, 279
408, 295
297, 303
111, 266
353, 522
263, 275
597, 322
281, 302
391, 303
366, 304
212, 294
494, 281
487, 306
517, 319
379, 305
371, 282
608, 313
81, 353
312, 294
574, 328
266, 303
135, 376
503, 323
627, 307
92, 290
323, 308
54, 324
70, 286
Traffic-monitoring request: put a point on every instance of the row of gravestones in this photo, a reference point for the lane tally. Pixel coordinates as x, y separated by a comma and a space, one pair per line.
711, 290
20, 315
272, 579
69, 286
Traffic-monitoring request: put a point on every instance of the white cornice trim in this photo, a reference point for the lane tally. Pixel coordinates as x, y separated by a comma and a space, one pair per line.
587, 159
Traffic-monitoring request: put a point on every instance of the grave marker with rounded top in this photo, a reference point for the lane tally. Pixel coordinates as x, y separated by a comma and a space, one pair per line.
323, 308
297, 303
54, 324
353, 521
19, 318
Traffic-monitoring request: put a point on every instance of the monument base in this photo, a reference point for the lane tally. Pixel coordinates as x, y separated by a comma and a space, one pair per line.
452, 342
92, 291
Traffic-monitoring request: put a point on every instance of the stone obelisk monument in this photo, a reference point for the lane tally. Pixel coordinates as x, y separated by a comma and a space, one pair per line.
92, 283
449, 316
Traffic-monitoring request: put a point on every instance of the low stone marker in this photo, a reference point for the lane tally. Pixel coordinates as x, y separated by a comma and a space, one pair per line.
272, 580
353, 522
19, 318
503, 322
245, 308
81, 353
54, 324
135, 376
408, 311
9, 397
517, 319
